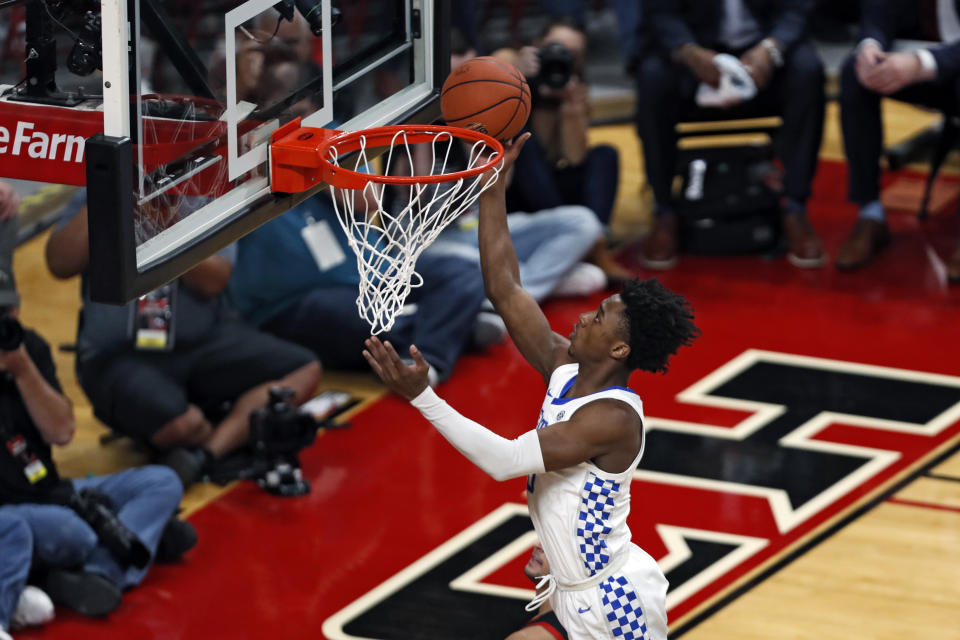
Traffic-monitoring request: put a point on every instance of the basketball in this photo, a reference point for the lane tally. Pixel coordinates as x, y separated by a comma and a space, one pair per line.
487, 95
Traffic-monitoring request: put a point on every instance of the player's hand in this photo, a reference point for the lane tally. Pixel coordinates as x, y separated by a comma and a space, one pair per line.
404, 380
510, 152
9, 201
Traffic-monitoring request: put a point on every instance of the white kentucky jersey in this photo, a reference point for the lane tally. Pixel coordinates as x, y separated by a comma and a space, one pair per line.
607, 587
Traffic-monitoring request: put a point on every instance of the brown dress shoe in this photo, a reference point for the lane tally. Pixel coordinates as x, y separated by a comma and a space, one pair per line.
867, 239
804, 248
953, 266
659, 250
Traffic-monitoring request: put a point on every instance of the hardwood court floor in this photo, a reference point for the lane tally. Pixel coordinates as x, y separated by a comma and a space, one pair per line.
881, 561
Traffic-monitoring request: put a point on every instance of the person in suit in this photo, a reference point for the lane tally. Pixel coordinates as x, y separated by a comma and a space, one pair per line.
679, 39
928, 77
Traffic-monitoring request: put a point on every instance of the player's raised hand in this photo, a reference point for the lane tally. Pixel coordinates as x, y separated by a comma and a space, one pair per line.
511, 150
405, 380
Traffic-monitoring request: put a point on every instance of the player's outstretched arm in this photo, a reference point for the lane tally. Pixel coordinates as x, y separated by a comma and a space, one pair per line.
608, 432
500, 458
525, 321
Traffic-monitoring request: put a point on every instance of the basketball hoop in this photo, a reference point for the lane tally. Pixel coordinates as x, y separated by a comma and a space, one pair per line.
392, 216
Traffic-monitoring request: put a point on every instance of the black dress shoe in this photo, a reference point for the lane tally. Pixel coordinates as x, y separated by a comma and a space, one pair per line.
867, 239
177, 538
89, 594
188, 464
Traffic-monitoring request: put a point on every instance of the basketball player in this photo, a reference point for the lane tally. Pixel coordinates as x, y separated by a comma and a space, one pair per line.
589, 438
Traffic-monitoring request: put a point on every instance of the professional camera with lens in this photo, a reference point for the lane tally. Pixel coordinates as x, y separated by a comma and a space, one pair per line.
278, 432
11, 333
86, 55
556, 65
96, 509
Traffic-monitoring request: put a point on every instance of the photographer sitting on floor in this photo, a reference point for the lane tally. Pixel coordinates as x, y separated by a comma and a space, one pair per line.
90, 538
558, 166
170, 392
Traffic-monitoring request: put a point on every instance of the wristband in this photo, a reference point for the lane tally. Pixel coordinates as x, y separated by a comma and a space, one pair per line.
775, 55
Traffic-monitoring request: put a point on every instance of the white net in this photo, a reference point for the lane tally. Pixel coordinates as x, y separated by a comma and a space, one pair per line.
388, 226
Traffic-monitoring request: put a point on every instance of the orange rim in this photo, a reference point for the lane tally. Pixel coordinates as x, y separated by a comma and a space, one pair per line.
348, 142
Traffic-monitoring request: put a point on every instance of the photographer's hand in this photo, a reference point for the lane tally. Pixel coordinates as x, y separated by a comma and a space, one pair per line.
528, 61
15, 362
9, 201
50, 410
574, 122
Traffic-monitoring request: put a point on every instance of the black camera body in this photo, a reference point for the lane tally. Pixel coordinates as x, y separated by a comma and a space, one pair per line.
95, 508
310, 10
278, 432
556, 65
11, 333
86, 55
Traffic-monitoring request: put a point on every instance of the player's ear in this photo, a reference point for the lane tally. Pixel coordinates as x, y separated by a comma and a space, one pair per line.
620, 351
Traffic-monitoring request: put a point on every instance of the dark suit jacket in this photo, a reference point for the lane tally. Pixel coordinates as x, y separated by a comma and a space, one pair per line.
884, 20
670, 24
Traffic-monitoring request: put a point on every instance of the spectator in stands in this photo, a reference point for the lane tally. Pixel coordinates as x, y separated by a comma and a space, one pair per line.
928, 77
297, 278
544, 625
557, 165
78, 569
163, 368
680, 39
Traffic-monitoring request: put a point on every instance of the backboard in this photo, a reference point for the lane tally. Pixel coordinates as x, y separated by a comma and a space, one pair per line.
191, 91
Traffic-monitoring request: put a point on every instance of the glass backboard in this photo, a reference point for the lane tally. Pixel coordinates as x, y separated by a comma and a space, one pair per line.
182, 168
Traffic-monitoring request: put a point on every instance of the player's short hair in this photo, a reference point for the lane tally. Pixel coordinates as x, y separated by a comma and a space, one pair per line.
657, 322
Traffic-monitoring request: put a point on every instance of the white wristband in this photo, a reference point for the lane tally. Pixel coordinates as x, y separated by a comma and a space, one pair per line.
776, 56
498, 457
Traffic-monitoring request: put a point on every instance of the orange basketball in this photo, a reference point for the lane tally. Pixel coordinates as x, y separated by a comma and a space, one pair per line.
487, 95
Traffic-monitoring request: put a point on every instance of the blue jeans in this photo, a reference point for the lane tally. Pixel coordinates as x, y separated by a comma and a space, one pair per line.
326, 319
144, 498
548, 244
16, 550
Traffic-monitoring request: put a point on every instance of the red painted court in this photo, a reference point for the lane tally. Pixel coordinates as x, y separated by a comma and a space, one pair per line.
389, 490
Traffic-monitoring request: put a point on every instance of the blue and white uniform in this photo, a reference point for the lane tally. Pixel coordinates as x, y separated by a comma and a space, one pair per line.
606, 586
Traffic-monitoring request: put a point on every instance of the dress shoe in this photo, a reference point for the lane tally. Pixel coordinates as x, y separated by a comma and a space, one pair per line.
89, 594
659, 250
867, 239
804, 248
177, 538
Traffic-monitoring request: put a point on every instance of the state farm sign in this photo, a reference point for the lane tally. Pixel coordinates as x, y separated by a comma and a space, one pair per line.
44, 143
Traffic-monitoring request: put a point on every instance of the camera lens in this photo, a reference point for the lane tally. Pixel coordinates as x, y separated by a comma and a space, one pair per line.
11, 333
310, 10
556, 65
